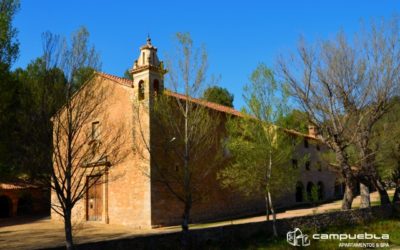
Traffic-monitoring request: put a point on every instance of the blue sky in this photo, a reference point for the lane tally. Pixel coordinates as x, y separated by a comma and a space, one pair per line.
237, 34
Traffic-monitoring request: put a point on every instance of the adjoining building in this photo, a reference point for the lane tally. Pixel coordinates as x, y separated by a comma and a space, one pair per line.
19, 199
135, 199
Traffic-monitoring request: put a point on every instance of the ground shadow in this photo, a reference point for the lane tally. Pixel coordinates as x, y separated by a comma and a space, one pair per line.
11, 221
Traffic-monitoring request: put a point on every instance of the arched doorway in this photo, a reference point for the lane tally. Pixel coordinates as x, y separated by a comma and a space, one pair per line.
299, 191
5, 206
25, 205
321, 190
310, 187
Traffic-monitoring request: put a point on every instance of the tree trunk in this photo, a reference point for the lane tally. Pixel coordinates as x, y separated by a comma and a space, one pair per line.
267, 207
348, 196
268, 201
273, 215
185, 226
384, 197
348, 176
69, 244
396, 196
364, 195
187, 188
367, 166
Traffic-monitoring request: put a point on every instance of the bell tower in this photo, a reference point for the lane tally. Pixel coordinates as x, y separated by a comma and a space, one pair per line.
148, 73
148, 81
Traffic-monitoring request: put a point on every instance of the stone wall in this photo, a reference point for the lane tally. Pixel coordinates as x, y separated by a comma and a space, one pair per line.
218, 203
235, 233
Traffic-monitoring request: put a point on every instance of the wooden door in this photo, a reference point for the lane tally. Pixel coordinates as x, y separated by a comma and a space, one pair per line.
94, 201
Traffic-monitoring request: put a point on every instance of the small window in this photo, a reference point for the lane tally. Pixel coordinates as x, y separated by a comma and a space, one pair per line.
318, 148
294, 163
305, 143
143, 58
141, 90
156, 87
95, 131
308, 165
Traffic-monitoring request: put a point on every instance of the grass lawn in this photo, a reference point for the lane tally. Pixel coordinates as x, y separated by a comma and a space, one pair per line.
357, 205
391, 227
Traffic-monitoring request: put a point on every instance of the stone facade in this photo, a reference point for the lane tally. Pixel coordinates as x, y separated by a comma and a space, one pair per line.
128, 193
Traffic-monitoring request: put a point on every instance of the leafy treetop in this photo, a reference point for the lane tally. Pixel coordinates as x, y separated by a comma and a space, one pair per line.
219, 95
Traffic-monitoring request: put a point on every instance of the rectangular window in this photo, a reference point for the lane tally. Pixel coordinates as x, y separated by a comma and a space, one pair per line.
95, 130
318, 148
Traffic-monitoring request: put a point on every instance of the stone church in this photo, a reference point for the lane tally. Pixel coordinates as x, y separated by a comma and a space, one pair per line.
134, 199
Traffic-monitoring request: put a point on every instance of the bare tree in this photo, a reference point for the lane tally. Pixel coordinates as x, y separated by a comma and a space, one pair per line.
345, 88
380, 52
85, 144
323, 108
85, 141
186, 145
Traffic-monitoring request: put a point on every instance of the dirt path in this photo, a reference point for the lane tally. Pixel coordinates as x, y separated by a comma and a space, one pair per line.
23, 233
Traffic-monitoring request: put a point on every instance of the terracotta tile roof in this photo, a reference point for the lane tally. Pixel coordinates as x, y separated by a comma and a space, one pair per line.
208, 104
15, 186
117, 79
228, 110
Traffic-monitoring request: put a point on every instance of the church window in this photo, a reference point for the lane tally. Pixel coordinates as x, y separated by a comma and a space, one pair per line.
141, 90
156, 87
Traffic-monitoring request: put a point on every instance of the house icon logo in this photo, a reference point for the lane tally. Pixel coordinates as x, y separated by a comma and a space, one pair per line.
297, 238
